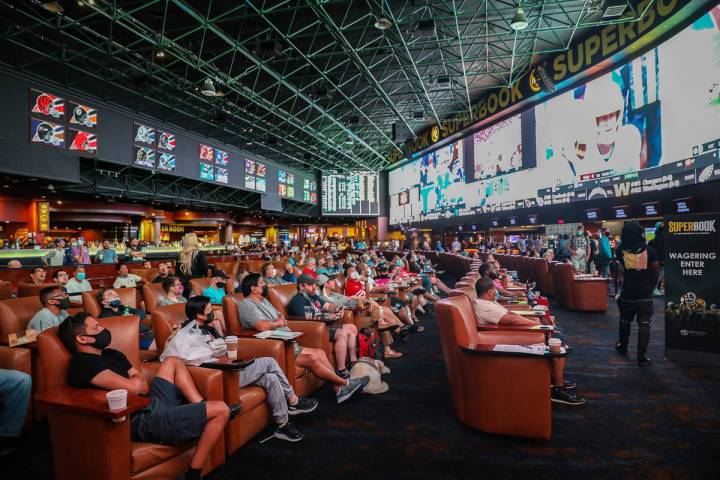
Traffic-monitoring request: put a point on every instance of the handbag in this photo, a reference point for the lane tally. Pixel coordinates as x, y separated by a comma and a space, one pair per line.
189, 345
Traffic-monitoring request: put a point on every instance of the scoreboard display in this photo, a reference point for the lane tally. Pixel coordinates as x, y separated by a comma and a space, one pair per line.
355, 193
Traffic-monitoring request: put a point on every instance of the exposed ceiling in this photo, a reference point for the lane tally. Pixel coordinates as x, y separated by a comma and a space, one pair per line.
312, 84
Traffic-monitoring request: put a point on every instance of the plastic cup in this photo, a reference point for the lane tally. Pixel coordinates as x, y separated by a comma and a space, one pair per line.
231, 343
555, 344
218, 347
117, 399
308, 313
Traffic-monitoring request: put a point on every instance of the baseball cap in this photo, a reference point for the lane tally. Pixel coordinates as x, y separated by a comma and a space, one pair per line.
216, 272
305, 279
322, 279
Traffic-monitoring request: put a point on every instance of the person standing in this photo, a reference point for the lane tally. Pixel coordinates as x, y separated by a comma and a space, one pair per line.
81, 252
456, 246
659, 245
191, 263
604, 254
579, 250
106, 254
522, 245
56, 256
641, 267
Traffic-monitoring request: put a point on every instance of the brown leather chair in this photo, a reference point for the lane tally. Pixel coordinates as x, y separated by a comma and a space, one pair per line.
147, 274
280, 297
5, 290
88, 440
507, 394
197, 285
92, 306
19, 359
164, 320
584, 295
304, 382
153, 294
25, 289
229, 267
15, 314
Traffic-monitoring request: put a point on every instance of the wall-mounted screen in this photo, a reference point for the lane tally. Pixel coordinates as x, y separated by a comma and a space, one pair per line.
684, 205
622, 212
649, 125
349, 194
533, 219
592, 214
651, 209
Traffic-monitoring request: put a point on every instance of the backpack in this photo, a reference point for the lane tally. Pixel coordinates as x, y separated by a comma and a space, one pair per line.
370, 346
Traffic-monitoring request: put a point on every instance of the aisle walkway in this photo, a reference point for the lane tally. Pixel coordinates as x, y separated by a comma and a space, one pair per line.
656, 422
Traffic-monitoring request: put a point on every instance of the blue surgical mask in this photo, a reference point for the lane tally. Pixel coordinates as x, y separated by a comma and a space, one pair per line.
80, 276
80, 242
115, 303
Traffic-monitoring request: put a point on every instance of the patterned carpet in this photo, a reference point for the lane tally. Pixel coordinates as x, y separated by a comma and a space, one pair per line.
657, 422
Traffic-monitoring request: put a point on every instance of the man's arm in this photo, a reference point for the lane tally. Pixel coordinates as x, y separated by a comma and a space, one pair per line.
262, 325
513, 319
109, 380
654, 268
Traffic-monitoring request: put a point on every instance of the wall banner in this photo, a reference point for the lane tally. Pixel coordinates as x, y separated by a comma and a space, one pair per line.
692, 278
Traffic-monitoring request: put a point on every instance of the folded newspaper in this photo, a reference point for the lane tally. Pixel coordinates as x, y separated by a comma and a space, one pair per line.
535, 349
277, 335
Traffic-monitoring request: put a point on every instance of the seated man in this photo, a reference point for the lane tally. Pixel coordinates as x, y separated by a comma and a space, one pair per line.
37, 275
289, 275
343, 336
60, 277
270, 275
488, 311
126, 279
257, 313
78, 284
163, 273
55, 304
112, 306
264, 372
173, 288
310, 264
177, 412
216, 290
15, 390
487, 270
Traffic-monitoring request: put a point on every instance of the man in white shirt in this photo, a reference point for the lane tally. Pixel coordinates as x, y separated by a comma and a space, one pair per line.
125, 279
456, 246
488, 311
57, 255
77, 284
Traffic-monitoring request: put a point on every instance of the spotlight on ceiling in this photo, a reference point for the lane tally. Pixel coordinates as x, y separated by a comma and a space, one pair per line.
208, 88
160, 54
53, 7
381, 22
519, 20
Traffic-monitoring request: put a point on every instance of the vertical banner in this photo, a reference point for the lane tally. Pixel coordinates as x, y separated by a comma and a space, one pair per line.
43, 216
692, 279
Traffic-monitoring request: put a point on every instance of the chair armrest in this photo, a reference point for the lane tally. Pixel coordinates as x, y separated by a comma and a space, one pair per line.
19, 359
208, 382
316, 334
487, 349
88, 401
255, 348
511, 337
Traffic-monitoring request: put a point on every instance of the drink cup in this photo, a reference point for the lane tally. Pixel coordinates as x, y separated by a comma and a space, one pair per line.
231, 342
555, 344
308, 313
117, 399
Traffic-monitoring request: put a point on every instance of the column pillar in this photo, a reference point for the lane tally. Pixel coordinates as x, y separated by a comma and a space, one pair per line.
229, 233
156, 231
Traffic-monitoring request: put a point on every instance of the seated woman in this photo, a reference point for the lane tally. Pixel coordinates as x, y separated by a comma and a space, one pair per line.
264, 372
112, 306
257, 313
381, 284
173, 288
270, 275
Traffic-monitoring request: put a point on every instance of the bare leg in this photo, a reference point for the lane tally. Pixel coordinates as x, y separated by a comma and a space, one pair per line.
442, 287
217, 417
352, 341
174, 371
340, 348
317, 362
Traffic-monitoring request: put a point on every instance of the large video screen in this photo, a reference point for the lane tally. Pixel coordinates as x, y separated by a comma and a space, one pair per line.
350, 194
649, 125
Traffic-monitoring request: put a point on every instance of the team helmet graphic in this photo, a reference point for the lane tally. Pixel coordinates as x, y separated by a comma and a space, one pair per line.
166, 141
48, 133
145, 134
84, 116
49, 105
84, 142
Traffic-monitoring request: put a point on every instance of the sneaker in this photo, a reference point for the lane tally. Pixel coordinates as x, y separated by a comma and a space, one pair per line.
343, 373
561, 395
354, 385
288, 433
569, 384
304, 405
658, 293
643, 360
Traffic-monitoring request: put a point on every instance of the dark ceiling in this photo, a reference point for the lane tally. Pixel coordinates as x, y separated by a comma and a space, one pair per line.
310, 84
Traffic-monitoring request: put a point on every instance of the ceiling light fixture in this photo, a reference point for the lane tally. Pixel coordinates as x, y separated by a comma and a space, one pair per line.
160, 54
382, 23
53, 7
519, 20
208, 88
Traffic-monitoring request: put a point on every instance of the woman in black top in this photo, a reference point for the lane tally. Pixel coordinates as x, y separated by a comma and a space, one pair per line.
192, 262
640, 265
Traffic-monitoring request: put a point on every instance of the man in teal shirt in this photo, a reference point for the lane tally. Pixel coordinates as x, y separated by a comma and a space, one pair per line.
106, 254
216, 290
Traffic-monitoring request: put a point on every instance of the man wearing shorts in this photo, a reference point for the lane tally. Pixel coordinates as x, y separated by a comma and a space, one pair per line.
177, 412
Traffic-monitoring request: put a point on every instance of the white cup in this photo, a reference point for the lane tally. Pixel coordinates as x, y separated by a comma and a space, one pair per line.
555, 344
117, 399
231, 342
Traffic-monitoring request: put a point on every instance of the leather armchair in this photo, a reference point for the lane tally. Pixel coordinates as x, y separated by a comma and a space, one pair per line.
5, 290
25, 289
153, 294
584, 295
507, 394
91, 441
147, 274
92, 306
229, 267
304, 382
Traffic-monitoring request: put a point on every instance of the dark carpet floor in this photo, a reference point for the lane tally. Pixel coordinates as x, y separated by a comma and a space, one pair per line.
657, 422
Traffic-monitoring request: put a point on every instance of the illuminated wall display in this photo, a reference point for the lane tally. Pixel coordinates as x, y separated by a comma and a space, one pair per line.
350, 194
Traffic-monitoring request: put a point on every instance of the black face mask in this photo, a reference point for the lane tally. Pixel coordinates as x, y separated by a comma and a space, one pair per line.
102, 339
64, 304
220, 285
493, 275
210, 317
265, 290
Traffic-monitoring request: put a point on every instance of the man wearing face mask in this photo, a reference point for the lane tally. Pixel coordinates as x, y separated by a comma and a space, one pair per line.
579, 250
81, 252
216, 290
78, 284
605, 254
487, 270
163, 273
270, 275
289, 275
177, 412
310, 265
173, 288
112, 306
55, 304
257, 313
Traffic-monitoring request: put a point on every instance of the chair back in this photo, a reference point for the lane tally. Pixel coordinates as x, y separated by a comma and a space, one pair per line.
164, 320
15, 314
197, 285
153, 294
55, 358
25, 289
231, 313
128, 296
5, 290
281, 295
147, 274
562, 275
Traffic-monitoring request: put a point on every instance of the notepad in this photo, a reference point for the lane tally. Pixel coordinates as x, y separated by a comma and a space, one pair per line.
536, 349
277, 335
